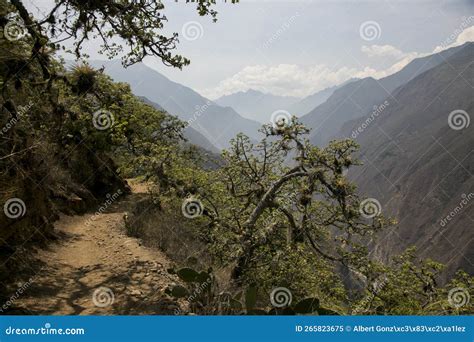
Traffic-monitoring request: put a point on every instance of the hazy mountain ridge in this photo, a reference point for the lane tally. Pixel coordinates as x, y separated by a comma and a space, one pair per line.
192, 135
218, 124
358, 98
255, 105
310, 102
348, 102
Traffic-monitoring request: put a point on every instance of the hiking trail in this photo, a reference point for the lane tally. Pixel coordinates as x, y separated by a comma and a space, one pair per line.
96, 269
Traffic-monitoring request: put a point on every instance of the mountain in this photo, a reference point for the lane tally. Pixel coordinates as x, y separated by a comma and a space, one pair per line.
348, 102
259, 106
192, 135
358, 98
310, 102
216, 123
419, 168
255, 105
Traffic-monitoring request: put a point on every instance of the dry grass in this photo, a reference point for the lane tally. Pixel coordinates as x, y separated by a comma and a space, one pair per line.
165, 228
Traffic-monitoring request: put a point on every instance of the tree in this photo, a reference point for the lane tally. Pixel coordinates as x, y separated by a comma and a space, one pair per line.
281, 196
284, 181
282, 213
135, 24
138, 24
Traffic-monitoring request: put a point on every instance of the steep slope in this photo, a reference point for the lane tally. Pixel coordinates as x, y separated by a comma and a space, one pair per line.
192, 135
417, 67
358, 98
218, 124
259, 106
349, 102
255, 105
312, 101
420, 169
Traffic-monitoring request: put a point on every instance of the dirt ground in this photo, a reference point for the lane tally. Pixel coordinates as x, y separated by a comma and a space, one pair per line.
97, 270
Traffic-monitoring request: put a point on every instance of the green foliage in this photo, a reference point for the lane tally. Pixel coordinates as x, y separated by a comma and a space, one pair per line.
410, 287
251, 297
139, 24
307, 306
201, 290
300, 227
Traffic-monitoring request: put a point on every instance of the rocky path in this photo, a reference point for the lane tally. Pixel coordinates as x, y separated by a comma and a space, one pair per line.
96, 269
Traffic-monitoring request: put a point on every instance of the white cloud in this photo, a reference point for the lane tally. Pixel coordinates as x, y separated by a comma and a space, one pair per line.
382, 51
295, 80
282, 79
458, 37
301, 81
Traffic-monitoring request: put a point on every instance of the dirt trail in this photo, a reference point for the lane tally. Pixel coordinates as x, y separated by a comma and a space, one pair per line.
97, 269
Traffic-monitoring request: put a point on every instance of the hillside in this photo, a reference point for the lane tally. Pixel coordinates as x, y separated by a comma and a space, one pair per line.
259, 106
351, 101
358, 98
218, 124
191, 135
307, 104
419, 168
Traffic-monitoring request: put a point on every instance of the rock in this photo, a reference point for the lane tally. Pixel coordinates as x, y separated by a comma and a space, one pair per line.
136, 293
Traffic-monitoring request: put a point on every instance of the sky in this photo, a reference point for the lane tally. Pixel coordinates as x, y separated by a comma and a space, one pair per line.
299, 47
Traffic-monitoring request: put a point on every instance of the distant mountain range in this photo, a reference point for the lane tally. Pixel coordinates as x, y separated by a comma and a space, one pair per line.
359, 97
217, 124
256, 105
310, 102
